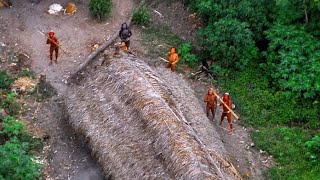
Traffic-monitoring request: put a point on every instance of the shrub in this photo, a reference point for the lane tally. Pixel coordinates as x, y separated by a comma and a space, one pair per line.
5, 80
313, 149
186, 55
11, 127
100, 9
230, 42
141, 15
293, 61
16, 163
11, 104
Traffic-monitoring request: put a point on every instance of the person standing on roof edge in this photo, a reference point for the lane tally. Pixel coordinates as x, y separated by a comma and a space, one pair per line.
226, 113
54, 46
173, 59
125, 34
211, 100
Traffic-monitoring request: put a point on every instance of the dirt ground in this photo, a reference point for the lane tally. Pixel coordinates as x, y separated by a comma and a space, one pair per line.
68, 156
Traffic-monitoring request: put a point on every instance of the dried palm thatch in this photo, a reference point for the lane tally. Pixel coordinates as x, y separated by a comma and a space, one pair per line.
135, 128
70, 9
24, 84
192, 110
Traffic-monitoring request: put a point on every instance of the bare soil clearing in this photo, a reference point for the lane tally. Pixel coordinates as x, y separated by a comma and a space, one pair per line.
68, 155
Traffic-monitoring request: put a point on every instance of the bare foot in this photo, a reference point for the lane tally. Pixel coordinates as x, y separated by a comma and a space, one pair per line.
231, 131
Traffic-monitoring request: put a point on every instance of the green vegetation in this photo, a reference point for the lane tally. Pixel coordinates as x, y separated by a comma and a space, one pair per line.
5, 80
293, 60
15, 154
10, 103
287, 145
229, 50
266, 54
155, 36
313, 149
100, 9
27, 73
141, 15
16, 144
186, 55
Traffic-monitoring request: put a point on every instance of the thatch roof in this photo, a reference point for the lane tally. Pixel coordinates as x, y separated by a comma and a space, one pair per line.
136, 129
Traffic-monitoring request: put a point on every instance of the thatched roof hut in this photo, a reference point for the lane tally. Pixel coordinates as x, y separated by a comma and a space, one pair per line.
136, 129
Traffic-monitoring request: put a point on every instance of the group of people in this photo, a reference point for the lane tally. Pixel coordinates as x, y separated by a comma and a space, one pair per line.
173, 58
124, 34
211, 106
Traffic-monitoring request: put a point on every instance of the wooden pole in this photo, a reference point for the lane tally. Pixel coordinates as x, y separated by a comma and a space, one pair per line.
163, 59
5, 3
232, 112
53, 42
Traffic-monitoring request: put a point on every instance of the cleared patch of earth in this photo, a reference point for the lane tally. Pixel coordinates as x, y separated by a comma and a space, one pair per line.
66, 154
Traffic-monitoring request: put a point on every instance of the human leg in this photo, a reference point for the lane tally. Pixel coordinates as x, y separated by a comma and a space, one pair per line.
230, 121
51, 52
57, 53
168, 65
128, 44
173, 67
222, 117
213, 113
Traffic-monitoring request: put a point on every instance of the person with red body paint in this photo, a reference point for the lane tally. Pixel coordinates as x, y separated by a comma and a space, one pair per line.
226, 113
54, 46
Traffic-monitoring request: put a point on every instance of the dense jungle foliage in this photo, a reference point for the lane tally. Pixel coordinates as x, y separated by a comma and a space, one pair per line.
266, 53
17, 146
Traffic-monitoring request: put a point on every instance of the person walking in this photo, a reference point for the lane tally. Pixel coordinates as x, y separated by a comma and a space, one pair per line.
226, 113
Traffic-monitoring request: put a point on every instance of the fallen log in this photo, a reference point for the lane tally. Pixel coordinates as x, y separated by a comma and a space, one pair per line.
100, 49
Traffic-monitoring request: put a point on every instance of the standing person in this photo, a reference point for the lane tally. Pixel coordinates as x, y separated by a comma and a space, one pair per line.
226, 113
173, 59
211, 100
54, 46
125, 34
